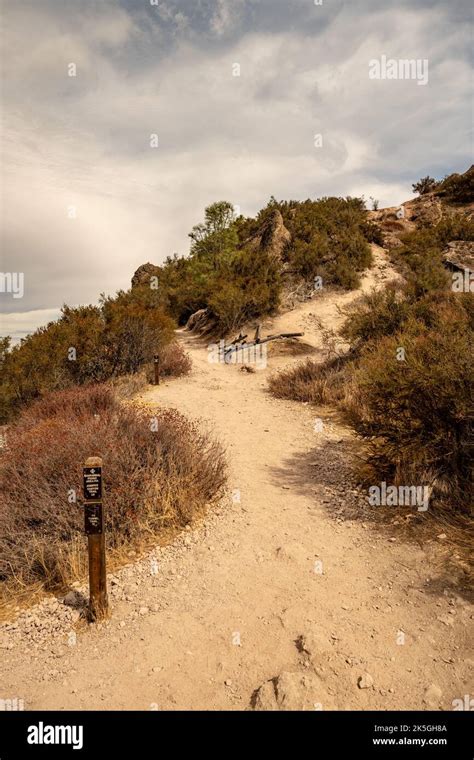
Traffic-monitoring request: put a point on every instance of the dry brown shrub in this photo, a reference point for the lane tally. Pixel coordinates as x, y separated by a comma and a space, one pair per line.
159, 471
174, 361
127, 386
318, 383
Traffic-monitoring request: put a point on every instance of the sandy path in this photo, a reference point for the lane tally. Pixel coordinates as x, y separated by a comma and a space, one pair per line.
231, 597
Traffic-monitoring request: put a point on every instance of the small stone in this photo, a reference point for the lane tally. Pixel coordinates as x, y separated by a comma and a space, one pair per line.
432, 695
72, 599
365, 681
143, 611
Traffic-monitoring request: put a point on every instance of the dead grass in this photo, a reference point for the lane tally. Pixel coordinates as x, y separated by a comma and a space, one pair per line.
159, 471
127, 386
393, 224
318, 383
290, 347
174, 361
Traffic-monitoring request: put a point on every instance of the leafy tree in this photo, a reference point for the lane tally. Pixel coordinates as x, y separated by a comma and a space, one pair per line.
425, 185
215, 240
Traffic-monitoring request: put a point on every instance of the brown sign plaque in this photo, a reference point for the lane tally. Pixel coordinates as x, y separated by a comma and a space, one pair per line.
93, 483
93, 518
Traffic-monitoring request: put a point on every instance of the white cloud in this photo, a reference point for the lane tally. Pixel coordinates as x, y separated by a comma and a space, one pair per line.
84, 141
18, 325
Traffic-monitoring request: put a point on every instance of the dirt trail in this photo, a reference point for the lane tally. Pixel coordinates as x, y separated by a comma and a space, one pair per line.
205, 622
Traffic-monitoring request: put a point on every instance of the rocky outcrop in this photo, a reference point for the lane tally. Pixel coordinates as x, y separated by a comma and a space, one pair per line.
459, 255
275, 236
143, 274
425, 211
394, 222
200, 321
272, 237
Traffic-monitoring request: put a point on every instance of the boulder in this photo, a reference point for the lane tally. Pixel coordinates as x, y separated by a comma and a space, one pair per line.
143, 274
459, 255
200, 321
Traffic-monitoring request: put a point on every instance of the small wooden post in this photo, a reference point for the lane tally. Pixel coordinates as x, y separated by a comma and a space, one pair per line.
94, 528
156, 364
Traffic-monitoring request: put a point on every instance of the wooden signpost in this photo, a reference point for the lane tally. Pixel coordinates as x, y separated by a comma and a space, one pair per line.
95, 531
156, 365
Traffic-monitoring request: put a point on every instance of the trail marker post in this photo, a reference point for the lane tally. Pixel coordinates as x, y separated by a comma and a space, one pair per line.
156, 365
95, 531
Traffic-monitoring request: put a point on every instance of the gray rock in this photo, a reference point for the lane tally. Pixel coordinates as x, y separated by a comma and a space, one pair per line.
73, 599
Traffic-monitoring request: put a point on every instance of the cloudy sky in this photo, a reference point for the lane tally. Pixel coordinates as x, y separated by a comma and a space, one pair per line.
86, 198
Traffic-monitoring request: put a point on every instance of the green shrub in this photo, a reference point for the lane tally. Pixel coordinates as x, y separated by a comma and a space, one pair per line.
249, 287
421, 253
226, 275
135, 328
329, 238
417, 414
458, 188
86, 344
379, 313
